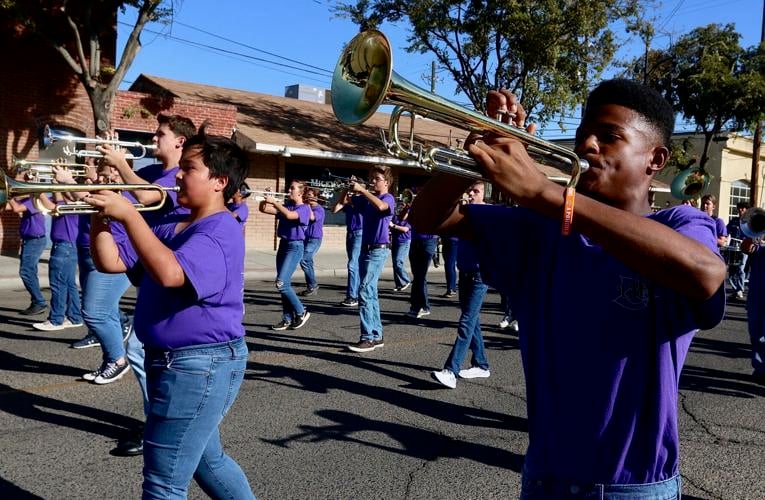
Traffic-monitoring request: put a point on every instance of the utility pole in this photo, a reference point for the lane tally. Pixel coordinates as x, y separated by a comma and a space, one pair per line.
756, 192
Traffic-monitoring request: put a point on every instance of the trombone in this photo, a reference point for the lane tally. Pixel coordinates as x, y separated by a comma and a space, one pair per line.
11, 188
364, 79
50, 137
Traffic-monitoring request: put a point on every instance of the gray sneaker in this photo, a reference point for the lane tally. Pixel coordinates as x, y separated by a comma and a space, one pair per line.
112, 373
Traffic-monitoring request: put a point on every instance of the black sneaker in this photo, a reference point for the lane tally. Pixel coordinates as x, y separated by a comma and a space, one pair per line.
112, 373
91, 376
309, 291
363, 346
449, 294
282, 325
349, 302
88, 340
34, 309
130, 445
299, 321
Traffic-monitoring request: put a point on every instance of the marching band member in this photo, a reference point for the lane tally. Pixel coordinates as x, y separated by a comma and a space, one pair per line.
293, 216
609, 310
353, 225
188, 314
377, 206
313, 236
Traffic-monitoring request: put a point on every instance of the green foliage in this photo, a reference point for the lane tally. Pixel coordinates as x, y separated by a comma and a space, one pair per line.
546, 51
710, 79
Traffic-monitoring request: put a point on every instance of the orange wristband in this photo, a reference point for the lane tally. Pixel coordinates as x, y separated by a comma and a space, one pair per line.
568, 210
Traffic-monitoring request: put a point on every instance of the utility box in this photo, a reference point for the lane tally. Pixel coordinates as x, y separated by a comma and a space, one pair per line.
305, 93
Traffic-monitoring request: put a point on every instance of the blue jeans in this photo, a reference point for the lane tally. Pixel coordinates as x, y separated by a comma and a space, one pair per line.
737, 275
310, 247
372, 262
64, 295
471, 293
287, 258
420, 257
101, 306
449, 250
663, 490
190, 391
31, 251
400, 252
756, 321
353, 251
137, 358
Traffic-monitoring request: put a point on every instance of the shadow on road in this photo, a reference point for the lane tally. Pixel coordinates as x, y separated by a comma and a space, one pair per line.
11, 491
43, 409
696, 378
349, 427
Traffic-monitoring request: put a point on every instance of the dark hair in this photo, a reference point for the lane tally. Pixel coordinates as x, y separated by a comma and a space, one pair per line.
179, 125
640, 98
223, 157
743, 204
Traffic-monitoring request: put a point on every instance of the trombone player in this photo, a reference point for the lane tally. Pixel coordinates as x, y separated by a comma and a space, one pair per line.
607, 312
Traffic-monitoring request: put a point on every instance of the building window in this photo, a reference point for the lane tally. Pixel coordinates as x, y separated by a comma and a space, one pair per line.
739, 191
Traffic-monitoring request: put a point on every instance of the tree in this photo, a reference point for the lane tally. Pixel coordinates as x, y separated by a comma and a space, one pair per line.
711, 80
546, 51
79, 30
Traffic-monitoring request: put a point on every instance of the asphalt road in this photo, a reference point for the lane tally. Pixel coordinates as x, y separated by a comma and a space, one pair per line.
314, 420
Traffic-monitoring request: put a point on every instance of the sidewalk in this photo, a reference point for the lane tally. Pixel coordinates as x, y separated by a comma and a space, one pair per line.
258, 264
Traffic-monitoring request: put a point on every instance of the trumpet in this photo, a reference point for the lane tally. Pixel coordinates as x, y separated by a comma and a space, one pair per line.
42, 170
364, 79
11, 188
260, 195
50, 137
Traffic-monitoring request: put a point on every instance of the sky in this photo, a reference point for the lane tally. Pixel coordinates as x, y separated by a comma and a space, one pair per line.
264, 46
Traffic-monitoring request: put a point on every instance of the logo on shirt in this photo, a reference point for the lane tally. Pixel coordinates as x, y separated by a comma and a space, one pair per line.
633, 293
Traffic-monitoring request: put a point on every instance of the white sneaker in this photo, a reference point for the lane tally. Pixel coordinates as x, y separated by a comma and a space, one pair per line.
422, 313
47, 326
446, 378
513, 325
475, 372
740, 294
68, 324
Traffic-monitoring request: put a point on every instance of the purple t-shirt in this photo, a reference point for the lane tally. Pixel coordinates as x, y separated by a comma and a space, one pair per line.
210, 307
32, 223
602, 346
376, 224
240, 211
156, 174
353, 217
720, 227
64, 228
401, 236
293, 230
315, 227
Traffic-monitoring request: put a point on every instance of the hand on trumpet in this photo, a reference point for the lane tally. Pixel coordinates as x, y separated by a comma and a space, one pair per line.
505, 159
111, 205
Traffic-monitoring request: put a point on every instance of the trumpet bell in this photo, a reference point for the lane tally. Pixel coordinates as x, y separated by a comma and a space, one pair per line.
753, 223
689, 183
